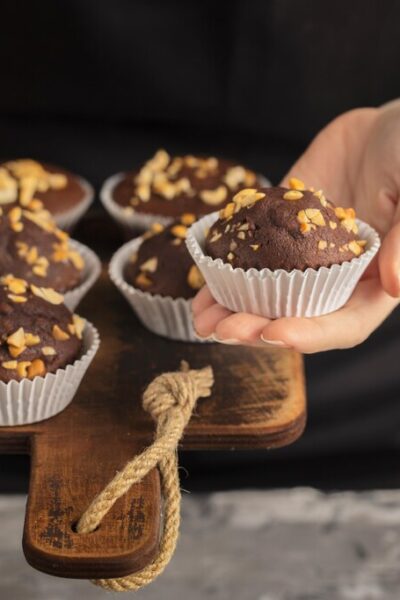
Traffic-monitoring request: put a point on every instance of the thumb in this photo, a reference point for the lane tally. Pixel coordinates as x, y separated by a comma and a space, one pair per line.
389, 260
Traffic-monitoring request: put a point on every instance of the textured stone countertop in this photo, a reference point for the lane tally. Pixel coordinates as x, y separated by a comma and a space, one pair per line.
295, 544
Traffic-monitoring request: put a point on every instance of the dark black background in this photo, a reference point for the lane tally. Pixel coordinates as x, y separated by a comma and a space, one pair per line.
97, 86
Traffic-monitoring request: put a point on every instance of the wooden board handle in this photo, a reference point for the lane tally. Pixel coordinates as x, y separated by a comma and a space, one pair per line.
127, 538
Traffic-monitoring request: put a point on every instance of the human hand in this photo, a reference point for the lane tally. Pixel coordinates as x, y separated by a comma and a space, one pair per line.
356, 161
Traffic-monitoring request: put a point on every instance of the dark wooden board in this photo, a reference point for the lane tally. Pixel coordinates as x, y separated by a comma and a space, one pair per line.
258, 401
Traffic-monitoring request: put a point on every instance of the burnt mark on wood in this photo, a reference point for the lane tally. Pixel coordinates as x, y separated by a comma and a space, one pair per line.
56, 534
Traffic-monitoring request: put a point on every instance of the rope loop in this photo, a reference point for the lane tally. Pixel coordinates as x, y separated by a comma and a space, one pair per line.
170, 400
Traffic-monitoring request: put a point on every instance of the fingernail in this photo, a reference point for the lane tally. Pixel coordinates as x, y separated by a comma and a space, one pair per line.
229, 341
277, 343
208, 338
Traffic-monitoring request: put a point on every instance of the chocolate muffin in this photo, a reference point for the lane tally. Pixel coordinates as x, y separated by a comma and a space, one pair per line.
29, 181
280, 228
38, 334
163, 264
170, 186
33, 248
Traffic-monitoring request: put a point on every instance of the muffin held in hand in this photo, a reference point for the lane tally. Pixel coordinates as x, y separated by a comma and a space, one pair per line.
36, 185
280, 228
162, 265
32, 247
170, 186
284, 252
38, 333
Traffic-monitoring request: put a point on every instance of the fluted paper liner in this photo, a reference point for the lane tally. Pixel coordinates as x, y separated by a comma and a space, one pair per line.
163, 315
33, 400
69, 218
90, 274
136, 221
280, 293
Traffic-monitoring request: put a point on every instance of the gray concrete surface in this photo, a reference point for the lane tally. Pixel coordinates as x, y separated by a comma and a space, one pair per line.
258, 545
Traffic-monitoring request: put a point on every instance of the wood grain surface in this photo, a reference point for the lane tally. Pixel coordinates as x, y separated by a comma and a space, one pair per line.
258, 401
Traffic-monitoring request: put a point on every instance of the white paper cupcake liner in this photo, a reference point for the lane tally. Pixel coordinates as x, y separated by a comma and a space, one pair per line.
91, 272
29, 401
136, 222
279, 293
68, 219
163, 315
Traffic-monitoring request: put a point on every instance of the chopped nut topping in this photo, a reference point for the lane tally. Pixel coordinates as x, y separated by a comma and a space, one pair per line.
9, 364
315, 216
16, 286
179, 231
16, 299
77, 326
47, 294
157, 228
215, 237
36, 368
15, 214
322, 245
234, 177
17, 338
59, 334
32, 339
195, 278
142, 280
241, 235
15, 352
214, 197
233, 245
254, 247
188, 219
230, 256
48, 351
228, 211
296, 184
332, 224
355, 248
22, 368
150, 265
246, 197
292, 195
8, 187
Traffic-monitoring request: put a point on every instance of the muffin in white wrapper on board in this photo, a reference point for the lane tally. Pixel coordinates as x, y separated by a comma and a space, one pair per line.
163, 315
90, 274
45, 350
33, 400
280, 293
167, 186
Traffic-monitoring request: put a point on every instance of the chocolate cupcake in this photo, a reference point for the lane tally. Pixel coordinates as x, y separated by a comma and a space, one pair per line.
32, 184
167, 187
163, 265
34, 248
44, 347
158, 277
282, 252
39, 335
284, 229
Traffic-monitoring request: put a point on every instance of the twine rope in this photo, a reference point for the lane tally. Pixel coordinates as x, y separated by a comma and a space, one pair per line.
170, 399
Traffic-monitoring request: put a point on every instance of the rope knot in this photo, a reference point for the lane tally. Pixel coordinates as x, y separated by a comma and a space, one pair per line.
177, 390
